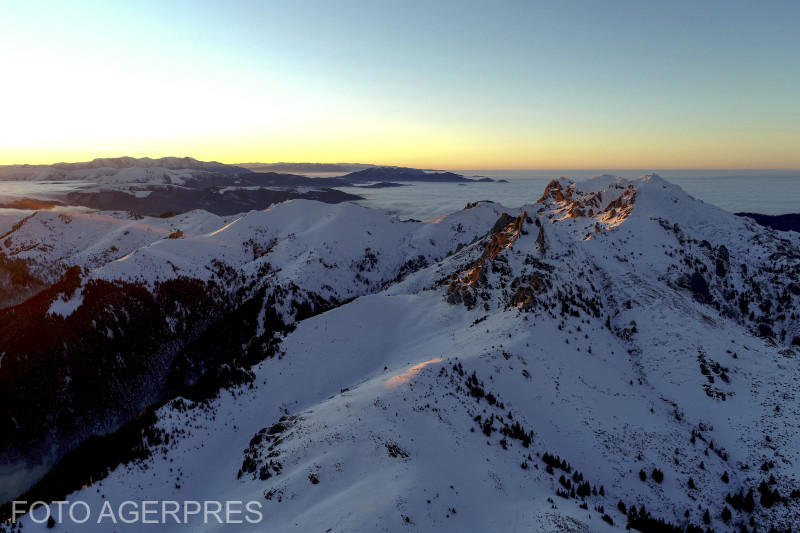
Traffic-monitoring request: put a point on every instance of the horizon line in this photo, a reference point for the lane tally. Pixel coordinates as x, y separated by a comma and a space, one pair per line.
428, 167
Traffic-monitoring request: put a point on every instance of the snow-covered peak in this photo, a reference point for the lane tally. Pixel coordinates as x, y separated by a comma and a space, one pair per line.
172, 163
601, 181
121, 170
168, 163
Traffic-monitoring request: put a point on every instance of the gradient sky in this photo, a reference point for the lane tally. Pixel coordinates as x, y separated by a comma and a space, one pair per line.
618, 84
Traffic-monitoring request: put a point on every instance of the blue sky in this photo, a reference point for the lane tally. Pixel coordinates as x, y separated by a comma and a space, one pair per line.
458, 84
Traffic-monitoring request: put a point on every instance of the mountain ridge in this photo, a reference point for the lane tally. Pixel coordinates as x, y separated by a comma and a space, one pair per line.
786, 222
570, 363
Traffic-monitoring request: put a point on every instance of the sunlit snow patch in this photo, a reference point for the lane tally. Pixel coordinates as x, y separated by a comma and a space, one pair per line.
223, 228
408, 375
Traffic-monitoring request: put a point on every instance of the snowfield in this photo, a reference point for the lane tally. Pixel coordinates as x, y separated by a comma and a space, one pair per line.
616, 354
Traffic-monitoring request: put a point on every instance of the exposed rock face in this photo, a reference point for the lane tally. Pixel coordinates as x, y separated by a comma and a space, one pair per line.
697, 284
502, 235
757, 296
609, 205
540, 241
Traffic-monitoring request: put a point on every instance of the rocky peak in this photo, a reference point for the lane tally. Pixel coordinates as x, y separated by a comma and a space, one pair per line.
607, 199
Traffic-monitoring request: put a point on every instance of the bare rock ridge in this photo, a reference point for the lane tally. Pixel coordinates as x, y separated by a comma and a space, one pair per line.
502, 235
610, 205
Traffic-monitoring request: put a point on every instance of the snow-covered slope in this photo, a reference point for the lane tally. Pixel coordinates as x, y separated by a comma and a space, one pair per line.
617, 354
151, 291
343, 249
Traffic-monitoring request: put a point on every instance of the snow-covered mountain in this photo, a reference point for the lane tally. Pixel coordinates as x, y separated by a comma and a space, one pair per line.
158, 187
173, 185
616, 354
146, 289
119, 170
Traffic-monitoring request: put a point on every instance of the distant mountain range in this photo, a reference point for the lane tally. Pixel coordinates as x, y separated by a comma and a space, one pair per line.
787, 222
171, 185
306, 168
71, 170
407, 174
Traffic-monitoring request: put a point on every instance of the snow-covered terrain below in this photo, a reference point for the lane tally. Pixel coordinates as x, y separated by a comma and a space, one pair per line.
615, 354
